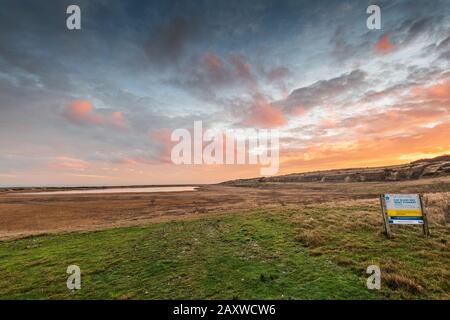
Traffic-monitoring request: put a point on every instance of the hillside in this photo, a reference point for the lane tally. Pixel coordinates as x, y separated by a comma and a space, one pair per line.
425, 168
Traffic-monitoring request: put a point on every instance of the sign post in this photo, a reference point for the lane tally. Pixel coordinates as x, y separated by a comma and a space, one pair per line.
387, 228
403, 209
426, 230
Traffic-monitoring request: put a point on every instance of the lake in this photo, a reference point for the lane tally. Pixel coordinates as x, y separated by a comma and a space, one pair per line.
115, 190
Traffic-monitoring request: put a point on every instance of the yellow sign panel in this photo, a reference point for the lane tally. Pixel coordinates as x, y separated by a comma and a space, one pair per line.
405, 212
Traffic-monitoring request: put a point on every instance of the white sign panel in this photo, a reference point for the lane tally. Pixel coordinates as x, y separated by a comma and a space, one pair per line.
403, 208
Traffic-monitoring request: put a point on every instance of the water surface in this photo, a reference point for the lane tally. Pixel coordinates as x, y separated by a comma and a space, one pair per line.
116, 190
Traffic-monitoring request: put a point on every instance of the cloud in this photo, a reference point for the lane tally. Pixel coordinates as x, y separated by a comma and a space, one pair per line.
82, 112
397, 120
445, 56
277, 73
209, 74
384, 44
342, 48
164, 144
64, 162
407, 117
421, 26
264, 114
232, 71
215, 69
242, 69
439, 90
118, 120
443, 44
324, 91
93, 176
362, 151
168, 42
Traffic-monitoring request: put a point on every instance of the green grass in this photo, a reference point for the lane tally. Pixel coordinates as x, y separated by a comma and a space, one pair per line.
264, 254
240, 256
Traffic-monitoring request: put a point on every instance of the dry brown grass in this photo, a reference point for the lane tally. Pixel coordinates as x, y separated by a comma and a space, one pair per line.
310, 238
438, 204
397, 281
350, 233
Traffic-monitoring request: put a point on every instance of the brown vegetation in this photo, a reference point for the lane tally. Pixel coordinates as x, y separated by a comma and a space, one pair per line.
22, 215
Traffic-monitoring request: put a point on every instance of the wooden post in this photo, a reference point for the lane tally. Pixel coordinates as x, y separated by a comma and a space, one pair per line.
387, 229
426, 230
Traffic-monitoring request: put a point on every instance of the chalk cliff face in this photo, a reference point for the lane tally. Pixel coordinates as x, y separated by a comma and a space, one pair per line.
438, 166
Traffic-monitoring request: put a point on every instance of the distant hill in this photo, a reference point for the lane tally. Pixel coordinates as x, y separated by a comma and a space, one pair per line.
424, 168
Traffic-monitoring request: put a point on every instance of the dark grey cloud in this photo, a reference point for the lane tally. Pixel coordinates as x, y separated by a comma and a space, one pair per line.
325, 90
445, 56
347, 46
443, 44
168, 42
208, 75
421, 26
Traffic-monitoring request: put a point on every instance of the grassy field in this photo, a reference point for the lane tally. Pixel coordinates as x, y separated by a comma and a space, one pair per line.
284, 252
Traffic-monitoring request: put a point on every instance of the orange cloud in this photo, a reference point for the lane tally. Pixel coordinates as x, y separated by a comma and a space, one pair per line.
384, 44
162, 138
397, 120
298, 110
127, 161
214, 67
234, 71
330, 123
83, 112
264, 114
64, 162
366, 151
118, 120
439, 90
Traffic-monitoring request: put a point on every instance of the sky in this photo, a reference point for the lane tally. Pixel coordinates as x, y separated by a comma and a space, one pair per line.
97, 106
